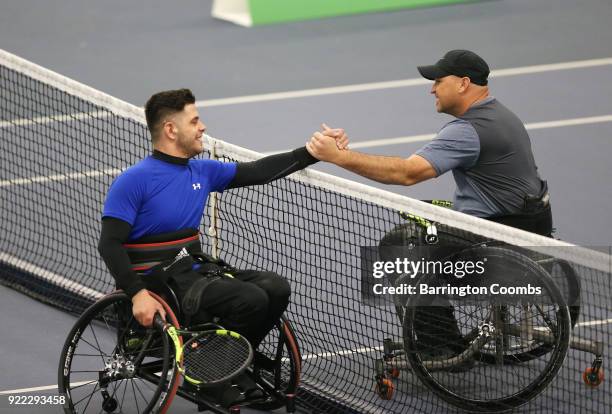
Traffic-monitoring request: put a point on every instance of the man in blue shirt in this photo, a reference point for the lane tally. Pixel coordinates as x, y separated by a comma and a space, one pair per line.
152, 215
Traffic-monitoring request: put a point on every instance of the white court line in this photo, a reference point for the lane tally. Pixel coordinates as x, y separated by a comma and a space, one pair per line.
59, 177
427, 137
569, 122
51, 277
305, 357
54, 118
530, 127
43, 388
391, 141
363, 87
594, 323
364, 350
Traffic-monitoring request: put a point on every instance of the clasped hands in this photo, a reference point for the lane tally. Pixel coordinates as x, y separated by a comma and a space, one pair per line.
327, 144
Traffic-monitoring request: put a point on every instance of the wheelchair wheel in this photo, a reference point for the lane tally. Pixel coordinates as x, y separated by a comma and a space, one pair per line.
565, 278
450, 364
281, 376
109, 363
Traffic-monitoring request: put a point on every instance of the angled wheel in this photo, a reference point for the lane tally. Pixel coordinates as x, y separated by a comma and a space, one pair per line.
109, 363
278, 366
452, 368
565, 278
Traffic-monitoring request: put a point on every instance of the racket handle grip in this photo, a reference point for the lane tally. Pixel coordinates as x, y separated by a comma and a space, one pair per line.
158, 322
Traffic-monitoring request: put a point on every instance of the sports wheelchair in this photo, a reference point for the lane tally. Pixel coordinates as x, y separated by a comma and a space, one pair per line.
482, 354
111, 364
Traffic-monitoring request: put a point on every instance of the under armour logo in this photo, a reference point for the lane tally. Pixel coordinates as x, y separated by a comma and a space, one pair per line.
196, 186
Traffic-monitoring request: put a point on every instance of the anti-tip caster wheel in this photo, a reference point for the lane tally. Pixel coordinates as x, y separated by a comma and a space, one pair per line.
385, 388
593, 377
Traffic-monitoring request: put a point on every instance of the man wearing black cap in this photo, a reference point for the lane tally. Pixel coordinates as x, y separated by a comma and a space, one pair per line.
486, 147
489, 152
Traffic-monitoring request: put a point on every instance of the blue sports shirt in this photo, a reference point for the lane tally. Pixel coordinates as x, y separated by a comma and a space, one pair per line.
157, 196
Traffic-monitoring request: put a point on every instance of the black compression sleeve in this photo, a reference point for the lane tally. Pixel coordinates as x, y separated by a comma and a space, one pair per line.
271, 168
114, 233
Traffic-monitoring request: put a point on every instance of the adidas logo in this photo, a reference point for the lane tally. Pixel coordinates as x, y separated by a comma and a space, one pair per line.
182, 254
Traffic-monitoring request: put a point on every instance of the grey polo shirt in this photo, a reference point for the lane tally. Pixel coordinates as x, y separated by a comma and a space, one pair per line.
489, 152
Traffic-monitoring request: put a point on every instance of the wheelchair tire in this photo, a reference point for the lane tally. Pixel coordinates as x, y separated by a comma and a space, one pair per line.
496, 387
99, 369
280, 346
572, 288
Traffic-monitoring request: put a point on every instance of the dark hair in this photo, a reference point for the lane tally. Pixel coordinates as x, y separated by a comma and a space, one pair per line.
165, 103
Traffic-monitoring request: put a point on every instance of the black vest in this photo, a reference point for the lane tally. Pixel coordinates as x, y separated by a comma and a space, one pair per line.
505, 171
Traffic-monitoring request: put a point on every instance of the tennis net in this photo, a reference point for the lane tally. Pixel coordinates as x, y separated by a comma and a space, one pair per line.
63, 143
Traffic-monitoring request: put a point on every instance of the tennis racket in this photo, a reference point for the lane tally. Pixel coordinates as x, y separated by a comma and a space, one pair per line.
209, 357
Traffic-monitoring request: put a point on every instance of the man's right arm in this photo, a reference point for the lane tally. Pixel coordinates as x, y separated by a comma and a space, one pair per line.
387, 170
114, 233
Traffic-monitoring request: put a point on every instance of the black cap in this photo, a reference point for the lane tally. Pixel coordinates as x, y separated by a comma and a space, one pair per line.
461, 63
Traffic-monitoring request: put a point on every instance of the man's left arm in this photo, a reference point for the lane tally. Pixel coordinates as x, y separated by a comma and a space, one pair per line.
270, 168
277, 166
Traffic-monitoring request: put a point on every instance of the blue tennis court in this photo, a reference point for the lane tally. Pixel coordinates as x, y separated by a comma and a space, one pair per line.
268, 89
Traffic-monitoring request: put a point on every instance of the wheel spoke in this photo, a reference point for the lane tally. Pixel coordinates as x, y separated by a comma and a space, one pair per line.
116, 387
135, 396
140, 392
91, 327
82, 385
82, 399
102, 353
123, 397
90, 396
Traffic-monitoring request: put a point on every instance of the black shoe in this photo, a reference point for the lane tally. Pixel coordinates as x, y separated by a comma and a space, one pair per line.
249, 388
225, 395
263, 362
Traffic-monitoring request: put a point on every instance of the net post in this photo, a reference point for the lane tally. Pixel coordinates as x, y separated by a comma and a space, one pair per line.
213, 206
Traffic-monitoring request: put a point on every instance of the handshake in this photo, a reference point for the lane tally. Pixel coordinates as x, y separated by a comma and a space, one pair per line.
327, 144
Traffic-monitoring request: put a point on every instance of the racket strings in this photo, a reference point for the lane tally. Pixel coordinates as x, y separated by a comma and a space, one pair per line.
213, 358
